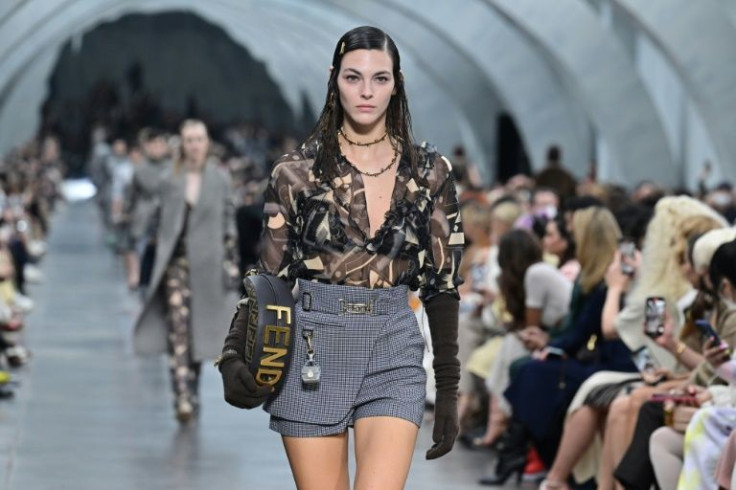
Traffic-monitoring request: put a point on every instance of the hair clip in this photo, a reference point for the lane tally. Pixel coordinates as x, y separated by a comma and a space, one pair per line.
342, 48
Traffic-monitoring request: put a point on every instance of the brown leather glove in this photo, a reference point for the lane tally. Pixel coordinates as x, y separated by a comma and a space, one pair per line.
442, 312
241, 389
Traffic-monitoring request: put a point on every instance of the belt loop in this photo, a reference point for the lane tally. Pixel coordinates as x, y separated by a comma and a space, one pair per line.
306, 301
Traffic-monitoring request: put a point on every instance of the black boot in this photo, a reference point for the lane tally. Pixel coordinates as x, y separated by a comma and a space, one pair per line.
512, 449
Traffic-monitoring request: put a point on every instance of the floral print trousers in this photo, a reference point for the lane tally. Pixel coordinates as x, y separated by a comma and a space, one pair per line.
184, 370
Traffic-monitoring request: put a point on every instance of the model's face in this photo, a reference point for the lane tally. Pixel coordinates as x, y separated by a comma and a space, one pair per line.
366, 84
195, 142
553, 241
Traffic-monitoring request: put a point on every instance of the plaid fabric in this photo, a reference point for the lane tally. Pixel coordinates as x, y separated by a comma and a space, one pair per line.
371, 362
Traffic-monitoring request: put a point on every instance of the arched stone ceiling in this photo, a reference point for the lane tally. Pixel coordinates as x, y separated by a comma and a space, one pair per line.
705, 62
271, 31
561, 74
528, 85
591, 57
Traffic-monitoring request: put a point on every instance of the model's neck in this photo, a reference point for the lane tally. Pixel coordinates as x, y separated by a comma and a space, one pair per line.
193, 165
364, 133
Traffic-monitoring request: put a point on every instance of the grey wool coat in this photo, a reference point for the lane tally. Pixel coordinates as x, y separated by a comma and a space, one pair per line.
142, 199
211, 223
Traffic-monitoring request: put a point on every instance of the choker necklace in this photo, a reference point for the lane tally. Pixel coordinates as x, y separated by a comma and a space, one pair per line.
394, 159
341, 132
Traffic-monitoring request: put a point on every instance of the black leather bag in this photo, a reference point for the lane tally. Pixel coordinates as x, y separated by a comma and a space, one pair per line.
269, 332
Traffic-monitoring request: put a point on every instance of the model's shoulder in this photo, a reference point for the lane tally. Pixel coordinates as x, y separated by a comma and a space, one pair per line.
434, 166
295, 165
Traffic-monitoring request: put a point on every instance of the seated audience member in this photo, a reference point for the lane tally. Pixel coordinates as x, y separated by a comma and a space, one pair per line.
537, 296
563, 363
635, 469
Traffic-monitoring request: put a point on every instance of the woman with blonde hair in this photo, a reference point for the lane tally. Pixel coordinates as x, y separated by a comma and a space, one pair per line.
664, 272
187, 305
663, 256
561, 365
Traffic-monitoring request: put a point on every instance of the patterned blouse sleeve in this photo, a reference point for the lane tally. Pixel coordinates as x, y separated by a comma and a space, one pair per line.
279, 227
442, 260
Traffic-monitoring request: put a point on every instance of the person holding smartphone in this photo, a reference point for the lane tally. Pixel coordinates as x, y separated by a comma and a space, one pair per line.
550, 382
636, 469
537, 297
676, 221
707, 443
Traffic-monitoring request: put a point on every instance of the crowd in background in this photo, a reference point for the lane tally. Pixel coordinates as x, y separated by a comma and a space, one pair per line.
557, 270
123, 170
30, 186
559, 377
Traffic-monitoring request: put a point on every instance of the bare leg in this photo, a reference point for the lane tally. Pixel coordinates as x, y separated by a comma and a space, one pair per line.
464, 403
383, 450
639, 397
614, 442
580, 429
497, 422
319, 463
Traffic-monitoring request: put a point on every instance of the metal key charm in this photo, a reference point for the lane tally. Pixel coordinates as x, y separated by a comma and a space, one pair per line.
311, 370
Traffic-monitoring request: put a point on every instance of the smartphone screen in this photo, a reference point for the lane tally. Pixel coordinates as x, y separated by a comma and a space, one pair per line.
654, 316
627, 249
643, 360
647, 365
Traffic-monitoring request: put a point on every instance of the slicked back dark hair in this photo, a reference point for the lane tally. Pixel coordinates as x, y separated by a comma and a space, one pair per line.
398, 119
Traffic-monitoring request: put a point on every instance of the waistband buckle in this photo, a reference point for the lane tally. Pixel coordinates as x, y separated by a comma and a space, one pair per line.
356, 308
306, 301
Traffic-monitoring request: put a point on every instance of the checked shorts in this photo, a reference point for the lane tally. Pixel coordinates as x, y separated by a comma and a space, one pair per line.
369, 347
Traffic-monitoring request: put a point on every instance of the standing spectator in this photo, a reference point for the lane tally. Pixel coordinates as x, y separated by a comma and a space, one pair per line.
555, 176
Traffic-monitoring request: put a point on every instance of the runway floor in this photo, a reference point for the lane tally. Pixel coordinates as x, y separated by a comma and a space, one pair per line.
90, 415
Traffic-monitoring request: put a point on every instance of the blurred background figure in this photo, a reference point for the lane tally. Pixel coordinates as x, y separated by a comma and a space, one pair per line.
140, 203
195, 266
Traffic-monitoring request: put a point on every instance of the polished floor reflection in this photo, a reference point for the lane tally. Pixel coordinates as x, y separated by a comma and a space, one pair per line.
90, 415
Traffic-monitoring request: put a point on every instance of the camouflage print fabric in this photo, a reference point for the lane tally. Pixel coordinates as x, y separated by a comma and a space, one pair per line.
318, 231
184, 370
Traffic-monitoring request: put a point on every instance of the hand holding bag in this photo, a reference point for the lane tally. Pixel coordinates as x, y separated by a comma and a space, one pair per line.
258, 347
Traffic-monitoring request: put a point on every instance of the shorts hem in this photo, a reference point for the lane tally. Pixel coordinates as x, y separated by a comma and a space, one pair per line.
293, 428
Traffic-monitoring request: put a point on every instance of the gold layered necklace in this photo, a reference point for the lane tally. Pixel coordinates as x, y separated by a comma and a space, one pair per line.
341, 132
393, 161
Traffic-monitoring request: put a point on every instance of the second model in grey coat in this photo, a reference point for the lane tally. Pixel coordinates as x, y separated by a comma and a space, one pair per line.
211, 222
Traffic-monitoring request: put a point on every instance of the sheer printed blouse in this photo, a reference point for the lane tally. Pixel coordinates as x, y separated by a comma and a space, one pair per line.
318, 231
